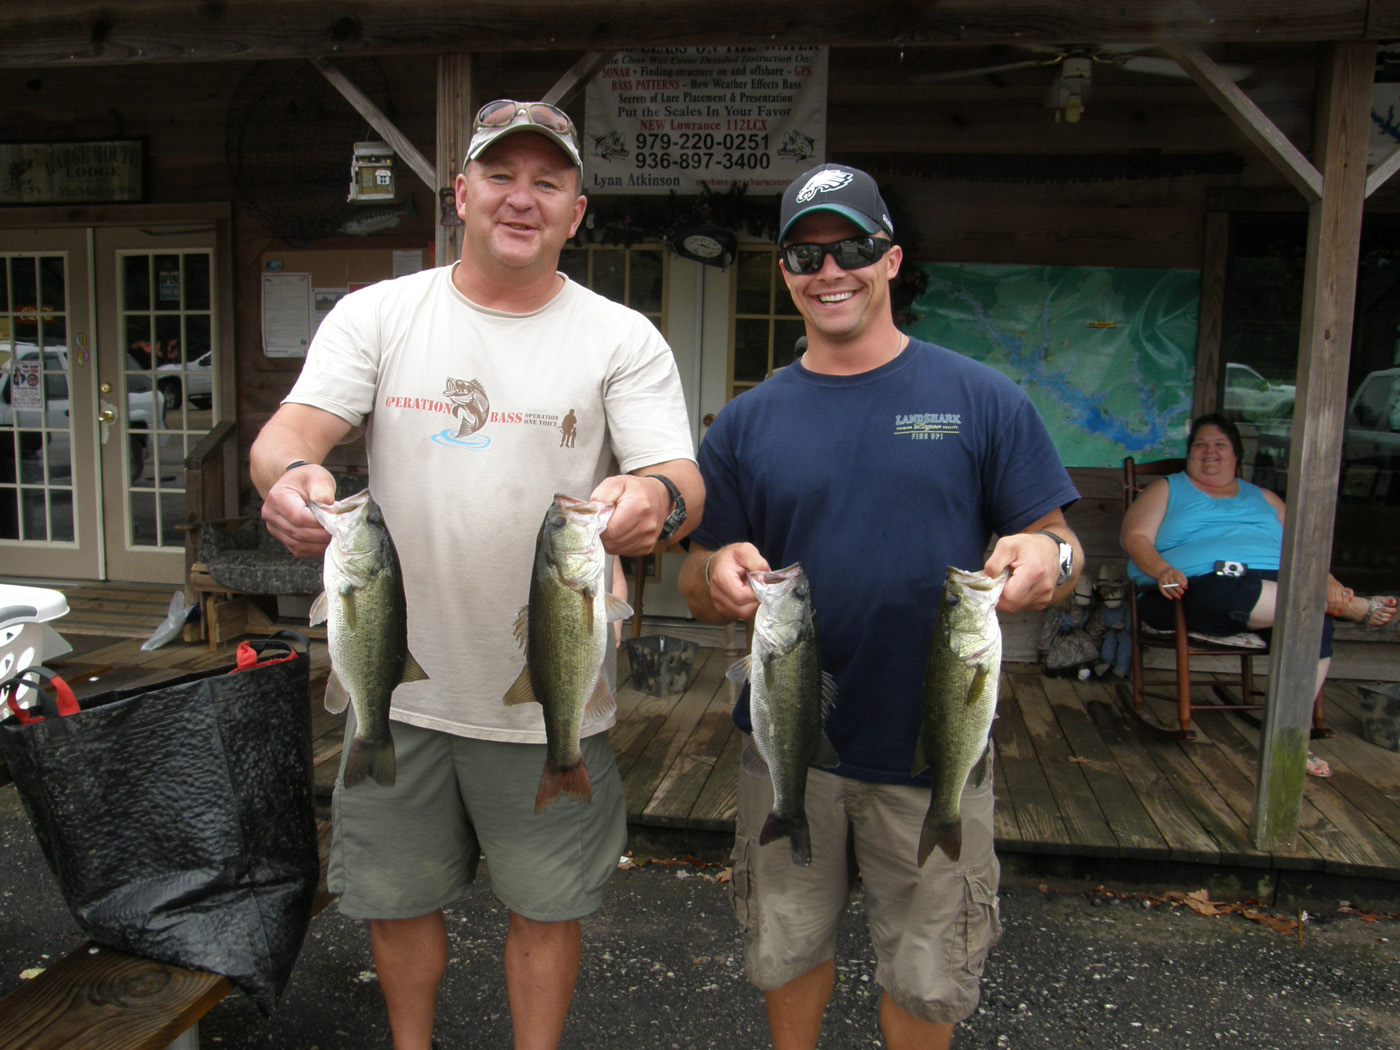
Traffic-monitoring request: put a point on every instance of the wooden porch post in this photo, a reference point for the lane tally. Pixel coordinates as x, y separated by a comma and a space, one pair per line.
1329, 293
454, 125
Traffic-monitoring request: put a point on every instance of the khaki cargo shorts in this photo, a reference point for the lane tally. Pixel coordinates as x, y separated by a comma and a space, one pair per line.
412, 849
931, 927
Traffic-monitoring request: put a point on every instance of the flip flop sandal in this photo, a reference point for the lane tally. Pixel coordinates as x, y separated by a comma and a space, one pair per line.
1375, 606
1318, 767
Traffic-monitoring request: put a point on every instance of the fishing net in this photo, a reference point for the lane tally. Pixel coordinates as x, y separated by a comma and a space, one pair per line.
289, 139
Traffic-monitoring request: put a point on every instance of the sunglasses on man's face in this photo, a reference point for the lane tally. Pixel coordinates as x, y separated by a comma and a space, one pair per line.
853, 253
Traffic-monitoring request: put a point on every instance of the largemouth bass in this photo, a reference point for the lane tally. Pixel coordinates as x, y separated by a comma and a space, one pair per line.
789, 697
960, 701
366, 630
564, 632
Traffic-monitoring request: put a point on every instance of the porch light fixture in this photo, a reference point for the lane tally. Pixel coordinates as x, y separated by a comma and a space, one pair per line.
1071, 88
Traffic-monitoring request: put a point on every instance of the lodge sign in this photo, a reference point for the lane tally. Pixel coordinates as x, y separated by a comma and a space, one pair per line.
71, 172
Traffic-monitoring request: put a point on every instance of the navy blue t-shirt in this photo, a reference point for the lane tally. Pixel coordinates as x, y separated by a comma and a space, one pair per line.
876, 483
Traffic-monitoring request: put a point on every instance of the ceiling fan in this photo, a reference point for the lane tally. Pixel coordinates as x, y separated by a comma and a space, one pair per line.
1075, 72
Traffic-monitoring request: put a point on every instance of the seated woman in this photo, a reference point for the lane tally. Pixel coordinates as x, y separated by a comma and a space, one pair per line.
1213, 540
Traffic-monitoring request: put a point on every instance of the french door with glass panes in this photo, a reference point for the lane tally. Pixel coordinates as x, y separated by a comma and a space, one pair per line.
108, 372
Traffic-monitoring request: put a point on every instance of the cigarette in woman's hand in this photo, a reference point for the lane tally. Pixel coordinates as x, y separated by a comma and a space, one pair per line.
1168, 586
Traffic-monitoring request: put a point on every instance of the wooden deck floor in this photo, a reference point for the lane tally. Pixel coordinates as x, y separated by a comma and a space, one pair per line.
1075, 776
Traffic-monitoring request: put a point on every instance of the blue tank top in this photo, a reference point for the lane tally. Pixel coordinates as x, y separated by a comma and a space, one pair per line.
1199, 530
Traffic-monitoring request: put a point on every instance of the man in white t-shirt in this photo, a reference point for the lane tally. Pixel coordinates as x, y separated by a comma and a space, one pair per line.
464, 378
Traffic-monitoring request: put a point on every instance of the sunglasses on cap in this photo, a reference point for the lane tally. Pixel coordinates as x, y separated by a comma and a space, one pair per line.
505, 112
853, 253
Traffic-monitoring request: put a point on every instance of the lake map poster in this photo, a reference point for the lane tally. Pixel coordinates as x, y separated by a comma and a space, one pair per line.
1107, 355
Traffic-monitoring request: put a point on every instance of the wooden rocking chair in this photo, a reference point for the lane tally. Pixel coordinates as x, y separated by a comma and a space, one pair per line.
1237, 693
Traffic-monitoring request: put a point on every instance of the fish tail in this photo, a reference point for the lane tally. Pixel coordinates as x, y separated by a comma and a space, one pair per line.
946, 834
794, 829
559, 780
370, 759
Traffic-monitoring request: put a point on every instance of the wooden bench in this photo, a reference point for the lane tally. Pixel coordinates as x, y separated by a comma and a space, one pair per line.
101, 997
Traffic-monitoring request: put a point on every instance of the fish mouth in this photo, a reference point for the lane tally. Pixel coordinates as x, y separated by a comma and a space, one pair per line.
775, 581
772, 577
586, 514
343, 506
326, 513
978, 581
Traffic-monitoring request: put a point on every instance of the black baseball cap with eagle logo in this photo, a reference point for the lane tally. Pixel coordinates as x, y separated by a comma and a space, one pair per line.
848, 192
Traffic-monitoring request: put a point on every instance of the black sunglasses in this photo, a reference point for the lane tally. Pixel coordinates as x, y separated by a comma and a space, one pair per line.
853, 253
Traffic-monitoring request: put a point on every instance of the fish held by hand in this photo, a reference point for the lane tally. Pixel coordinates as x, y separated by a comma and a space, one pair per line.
789, 698
564, 632
959, 701
366, 620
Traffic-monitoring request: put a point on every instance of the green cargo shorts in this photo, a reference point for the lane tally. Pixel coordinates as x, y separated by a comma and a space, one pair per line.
931, 926
404, 851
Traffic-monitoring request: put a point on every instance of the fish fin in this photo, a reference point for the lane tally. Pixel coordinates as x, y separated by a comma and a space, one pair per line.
586, 595
738, 672
412, 670
979, 771
616, 608
319, 608
522, 626
978, 684
337, 697
828, 693
751, 761
946, 835
795, 831
825, 755
556, 781
376, 761
521, 691
351, 618
920, 759
601, 702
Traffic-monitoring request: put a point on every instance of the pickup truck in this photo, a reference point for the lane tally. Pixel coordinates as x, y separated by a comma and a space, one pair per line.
1370, 469
45, 433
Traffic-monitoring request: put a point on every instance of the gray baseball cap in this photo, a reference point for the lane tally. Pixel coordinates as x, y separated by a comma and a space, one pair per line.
505, 116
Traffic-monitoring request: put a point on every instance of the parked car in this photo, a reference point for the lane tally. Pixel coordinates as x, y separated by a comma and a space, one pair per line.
1248, 395
143, 410
1370, 468
196, 383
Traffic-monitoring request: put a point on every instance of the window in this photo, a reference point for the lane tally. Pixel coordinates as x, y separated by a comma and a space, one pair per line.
766, 323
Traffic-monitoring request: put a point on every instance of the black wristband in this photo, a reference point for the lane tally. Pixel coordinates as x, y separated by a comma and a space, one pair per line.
294, 464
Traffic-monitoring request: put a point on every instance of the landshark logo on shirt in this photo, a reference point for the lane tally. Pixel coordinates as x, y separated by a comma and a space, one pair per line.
927, 426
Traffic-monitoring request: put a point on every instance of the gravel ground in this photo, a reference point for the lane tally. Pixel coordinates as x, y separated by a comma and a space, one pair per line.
662, 969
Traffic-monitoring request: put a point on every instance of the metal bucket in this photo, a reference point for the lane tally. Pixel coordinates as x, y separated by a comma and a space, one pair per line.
662, 666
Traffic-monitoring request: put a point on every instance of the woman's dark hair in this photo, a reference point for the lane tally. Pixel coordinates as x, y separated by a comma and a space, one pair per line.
1227, 427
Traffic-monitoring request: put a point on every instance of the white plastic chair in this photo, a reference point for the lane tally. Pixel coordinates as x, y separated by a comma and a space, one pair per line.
24, 611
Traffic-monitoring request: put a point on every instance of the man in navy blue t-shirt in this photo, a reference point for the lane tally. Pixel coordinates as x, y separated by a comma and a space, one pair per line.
877, 461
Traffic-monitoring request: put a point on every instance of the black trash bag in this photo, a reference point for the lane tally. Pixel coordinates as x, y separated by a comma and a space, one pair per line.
178, 819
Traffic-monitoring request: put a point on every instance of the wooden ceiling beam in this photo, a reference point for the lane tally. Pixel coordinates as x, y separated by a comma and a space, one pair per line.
376, 119
39, 33
578, 76
1250, 119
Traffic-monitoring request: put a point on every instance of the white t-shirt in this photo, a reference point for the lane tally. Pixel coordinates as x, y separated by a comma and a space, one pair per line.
474, 420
